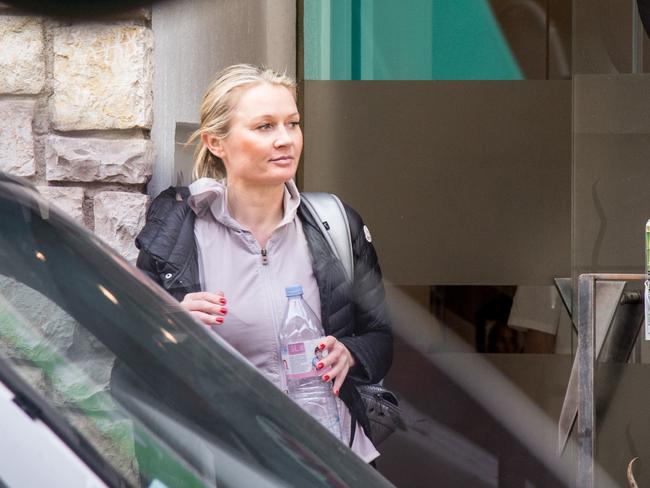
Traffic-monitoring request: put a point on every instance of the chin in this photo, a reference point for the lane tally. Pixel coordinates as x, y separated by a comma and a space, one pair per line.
281, 177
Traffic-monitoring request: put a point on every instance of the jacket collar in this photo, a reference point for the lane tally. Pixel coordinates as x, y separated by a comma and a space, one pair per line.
210, 195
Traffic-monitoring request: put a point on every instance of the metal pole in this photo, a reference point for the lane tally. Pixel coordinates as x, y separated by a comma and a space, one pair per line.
586, 420
586, 378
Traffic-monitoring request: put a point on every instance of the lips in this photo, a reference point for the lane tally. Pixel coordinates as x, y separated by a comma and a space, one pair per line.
282, 159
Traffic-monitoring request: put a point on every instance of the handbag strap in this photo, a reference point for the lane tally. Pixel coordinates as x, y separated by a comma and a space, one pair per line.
333, 223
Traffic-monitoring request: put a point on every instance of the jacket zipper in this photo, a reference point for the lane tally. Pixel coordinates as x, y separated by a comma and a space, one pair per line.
275, 321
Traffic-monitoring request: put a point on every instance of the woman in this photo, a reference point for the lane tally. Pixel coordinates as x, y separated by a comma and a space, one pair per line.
228, 245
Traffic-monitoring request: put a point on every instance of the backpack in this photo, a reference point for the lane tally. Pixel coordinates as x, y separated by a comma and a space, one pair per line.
333, 223
382, 405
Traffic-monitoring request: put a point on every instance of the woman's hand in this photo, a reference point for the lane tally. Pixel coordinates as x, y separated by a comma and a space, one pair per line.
339, 358
207, 308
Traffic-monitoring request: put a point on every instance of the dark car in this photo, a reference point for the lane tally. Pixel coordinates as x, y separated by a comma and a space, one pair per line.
124, 384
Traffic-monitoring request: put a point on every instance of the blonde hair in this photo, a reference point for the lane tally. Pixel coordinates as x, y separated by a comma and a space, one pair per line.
217, 107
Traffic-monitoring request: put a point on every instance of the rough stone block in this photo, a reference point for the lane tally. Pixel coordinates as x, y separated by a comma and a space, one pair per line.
103, 77
113, 438
43, 332
119, 216
69, 200
16, 137
22, 66
111, 161
34, 377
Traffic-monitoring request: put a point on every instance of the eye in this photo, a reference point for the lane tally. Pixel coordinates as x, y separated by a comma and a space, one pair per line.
294, 124
265, 126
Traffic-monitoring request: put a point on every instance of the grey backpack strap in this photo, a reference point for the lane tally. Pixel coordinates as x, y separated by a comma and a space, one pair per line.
333, 223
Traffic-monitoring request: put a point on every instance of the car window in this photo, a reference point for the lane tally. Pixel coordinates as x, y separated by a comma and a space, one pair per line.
72, 369
128, 365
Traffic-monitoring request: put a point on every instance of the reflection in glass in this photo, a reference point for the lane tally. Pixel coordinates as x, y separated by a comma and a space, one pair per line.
504, 319
414, 40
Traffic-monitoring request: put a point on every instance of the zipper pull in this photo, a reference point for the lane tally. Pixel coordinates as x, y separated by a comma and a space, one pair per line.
265, 258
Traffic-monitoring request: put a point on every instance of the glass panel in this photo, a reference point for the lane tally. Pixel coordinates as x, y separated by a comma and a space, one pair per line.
611, 132
461, 182
437, 39
466, 185
479, 419
416, 40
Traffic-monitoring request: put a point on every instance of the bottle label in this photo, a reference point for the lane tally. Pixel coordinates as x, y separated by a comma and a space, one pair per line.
300, 359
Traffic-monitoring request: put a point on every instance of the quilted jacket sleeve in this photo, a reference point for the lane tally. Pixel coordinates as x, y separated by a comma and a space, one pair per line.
167, 237
145, 263
372, 342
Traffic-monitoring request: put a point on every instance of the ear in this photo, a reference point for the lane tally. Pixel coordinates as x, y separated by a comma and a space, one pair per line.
213, 143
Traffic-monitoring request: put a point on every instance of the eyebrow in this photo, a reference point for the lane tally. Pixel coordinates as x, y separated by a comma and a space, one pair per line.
269, 116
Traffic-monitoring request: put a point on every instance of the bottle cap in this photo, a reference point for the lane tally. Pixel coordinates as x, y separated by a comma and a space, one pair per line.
293, 291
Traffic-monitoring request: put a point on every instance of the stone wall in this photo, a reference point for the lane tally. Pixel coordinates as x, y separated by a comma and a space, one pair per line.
75, 116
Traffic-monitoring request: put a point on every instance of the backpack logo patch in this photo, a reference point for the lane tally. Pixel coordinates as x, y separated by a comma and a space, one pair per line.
367, 233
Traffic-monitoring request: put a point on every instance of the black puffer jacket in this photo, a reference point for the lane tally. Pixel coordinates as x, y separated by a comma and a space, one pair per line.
356, 314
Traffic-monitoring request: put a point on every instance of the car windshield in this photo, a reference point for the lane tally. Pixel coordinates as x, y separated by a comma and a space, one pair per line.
160, 396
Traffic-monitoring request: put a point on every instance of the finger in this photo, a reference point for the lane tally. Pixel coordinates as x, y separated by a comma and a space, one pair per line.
341, 349
337, 367
207, 319
222, 297
206, 307
339, 379
334, 372
332, 357
344, 350
216, 298
327, 346
328, 343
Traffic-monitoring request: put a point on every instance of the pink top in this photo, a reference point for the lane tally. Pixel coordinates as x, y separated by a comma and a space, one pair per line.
231, 260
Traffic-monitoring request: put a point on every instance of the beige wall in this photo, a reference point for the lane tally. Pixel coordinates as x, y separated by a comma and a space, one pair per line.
194, 40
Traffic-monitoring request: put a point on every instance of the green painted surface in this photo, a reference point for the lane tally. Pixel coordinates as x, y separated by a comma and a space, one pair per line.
405, 40
130, 443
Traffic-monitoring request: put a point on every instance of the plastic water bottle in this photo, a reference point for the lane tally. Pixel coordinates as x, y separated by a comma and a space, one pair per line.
300, 336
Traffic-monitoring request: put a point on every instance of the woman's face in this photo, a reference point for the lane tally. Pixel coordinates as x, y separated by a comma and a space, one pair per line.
265, 140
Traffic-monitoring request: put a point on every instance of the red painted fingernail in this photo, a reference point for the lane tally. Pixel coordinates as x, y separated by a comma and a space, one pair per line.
224, 310
336, 392
222, 301
320, 365
326, 377
219, 320
322, 346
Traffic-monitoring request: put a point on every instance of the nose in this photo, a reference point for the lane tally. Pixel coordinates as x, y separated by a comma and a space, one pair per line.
283, 137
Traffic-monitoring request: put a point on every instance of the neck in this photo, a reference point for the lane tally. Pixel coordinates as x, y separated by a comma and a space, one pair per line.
258, 209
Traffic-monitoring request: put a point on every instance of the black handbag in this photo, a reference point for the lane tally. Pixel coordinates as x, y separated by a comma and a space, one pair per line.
382, 409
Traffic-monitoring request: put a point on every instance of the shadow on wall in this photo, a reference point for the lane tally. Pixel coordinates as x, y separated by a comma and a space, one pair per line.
79, 9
